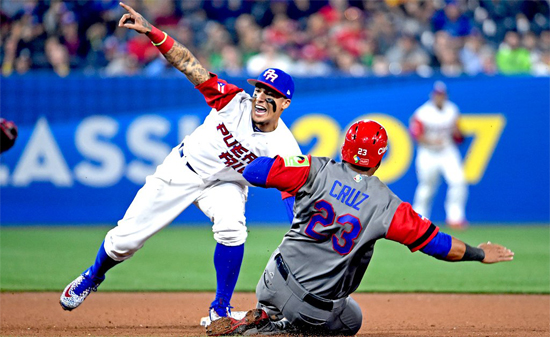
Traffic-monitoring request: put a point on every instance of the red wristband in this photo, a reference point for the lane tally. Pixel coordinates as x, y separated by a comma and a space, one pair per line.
160, 39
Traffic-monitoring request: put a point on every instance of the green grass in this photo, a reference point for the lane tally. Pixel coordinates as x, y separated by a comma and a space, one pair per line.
180, 259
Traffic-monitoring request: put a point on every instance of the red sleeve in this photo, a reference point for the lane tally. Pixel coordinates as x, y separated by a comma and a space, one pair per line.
285, 195
416, 128
288, 175
217, 93
411, 229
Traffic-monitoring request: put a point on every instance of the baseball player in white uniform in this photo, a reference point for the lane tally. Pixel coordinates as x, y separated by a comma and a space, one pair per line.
204, 170
434, 125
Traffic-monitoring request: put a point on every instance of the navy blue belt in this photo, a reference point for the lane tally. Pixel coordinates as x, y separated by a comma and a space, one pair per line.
187, 162
314, 300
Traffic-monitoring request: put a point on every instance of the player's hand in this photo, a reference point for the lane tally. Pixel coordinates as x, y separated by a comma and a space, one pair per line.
496, 253
134, 20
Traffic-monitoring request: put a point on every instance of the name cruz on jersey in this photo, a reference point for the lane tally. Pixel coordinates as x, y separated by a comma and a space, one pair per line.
347, 195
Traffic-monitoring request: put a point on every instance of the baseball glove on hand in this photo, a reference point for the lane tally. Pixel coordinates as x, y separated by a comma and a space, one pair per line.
8, 132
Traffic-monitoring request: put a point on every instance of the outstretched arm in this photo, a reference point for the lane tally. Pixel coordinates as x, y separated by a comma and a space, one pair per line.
419, 233
175, 53
485, 252
448, 248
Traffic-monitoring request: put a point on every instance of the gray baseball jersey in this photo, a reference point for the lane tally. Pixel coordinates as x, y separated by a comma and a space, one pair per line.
339, 215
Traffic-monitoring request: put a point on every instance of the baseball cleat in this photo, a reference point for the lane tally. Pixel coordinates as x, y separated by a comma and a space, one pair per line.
228, 326
77, 291
221, 308
205, 321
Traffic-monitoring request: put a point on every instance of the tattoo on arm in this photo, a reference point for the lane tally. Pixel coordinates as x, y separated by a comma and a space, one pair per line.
146, 24
181, 58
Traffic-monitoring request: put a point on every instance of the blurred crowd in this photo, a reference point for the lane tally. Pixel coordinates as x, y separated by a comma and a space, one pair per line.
303, 37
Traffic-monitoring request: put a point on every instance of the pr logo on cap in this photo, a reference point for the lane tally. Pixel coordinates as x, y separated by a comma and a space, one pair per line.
270, 75
276, 79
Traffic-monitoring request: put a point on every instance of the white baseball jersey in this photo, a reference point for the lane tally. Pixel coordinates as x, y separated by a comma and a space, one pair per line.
438, 155
226, 142
435, 124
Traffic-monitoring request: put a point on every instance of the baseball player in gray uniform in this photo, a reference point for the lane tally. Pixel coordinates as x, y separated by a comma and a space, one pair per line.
205, 170
341, 209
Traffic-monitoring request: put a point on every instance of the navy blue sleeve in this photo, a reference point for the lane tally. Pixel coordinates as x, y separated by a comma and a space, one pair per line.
439, 246
289, 203
256, 172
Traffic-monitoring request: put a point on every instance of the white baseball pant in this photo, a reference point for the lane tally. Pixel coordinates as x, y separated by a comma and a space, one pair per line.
430, 164
167, 193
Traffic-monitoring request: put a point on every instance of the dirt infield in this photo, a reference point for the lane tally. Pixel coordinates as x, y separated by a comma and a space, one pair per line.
178, 314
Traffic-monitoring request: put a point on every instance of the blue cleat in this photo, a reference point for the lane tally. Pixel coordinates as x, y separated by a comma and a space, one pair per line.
77, 291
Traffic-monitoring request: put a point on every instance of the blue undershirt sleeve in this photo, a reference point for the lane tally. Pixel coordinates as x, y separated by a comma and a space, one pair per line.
256, 172
439, 246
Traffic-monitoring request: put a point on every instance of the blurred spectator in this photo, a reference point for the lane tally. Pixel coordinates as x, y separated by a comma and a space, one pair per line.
96, 36
450, 65
269, 57
217, 39
58, 57
310, 64
511, 57
407, 56
309, 37
544, 41
248, 36
333, 12
350, 32
123, 65
23, 62
380, 66
475, 54
383, 31
452, 20
232, 61
347, 64
541, 65
141, 49
530, 42
163, 13
70, 39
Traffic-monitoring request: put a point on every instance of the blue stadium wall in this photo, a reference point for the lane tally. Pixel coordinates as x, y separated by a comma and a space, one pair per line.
86, 144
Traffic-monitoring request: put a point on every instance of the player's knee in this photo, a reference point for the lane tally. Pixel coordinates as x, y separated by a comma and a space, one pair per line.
119, 249
351, 318
230, 229
231, 237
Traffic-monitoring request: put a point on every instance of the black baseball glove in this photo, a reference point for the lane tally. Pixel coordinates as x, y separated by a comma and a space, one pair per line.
8, 132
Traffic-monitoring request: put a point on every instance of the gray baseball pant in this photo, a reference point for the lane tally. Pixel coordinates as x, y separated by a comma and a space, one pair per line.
280, 295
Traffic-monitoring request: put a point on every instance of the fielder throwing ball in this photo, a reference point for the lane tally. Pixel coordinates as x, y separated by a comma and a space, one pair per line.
204, 170
341, 210
434, 125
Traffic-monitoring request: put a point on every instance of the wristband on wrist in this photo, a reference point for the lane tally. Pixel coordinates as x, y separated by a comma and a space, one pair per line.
160, 39
473, 254
161, 42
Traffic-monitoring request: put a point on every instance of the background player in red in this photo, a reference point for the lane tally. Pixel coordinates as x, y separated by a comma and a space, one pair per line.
434, 125
204, 170
341, 210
